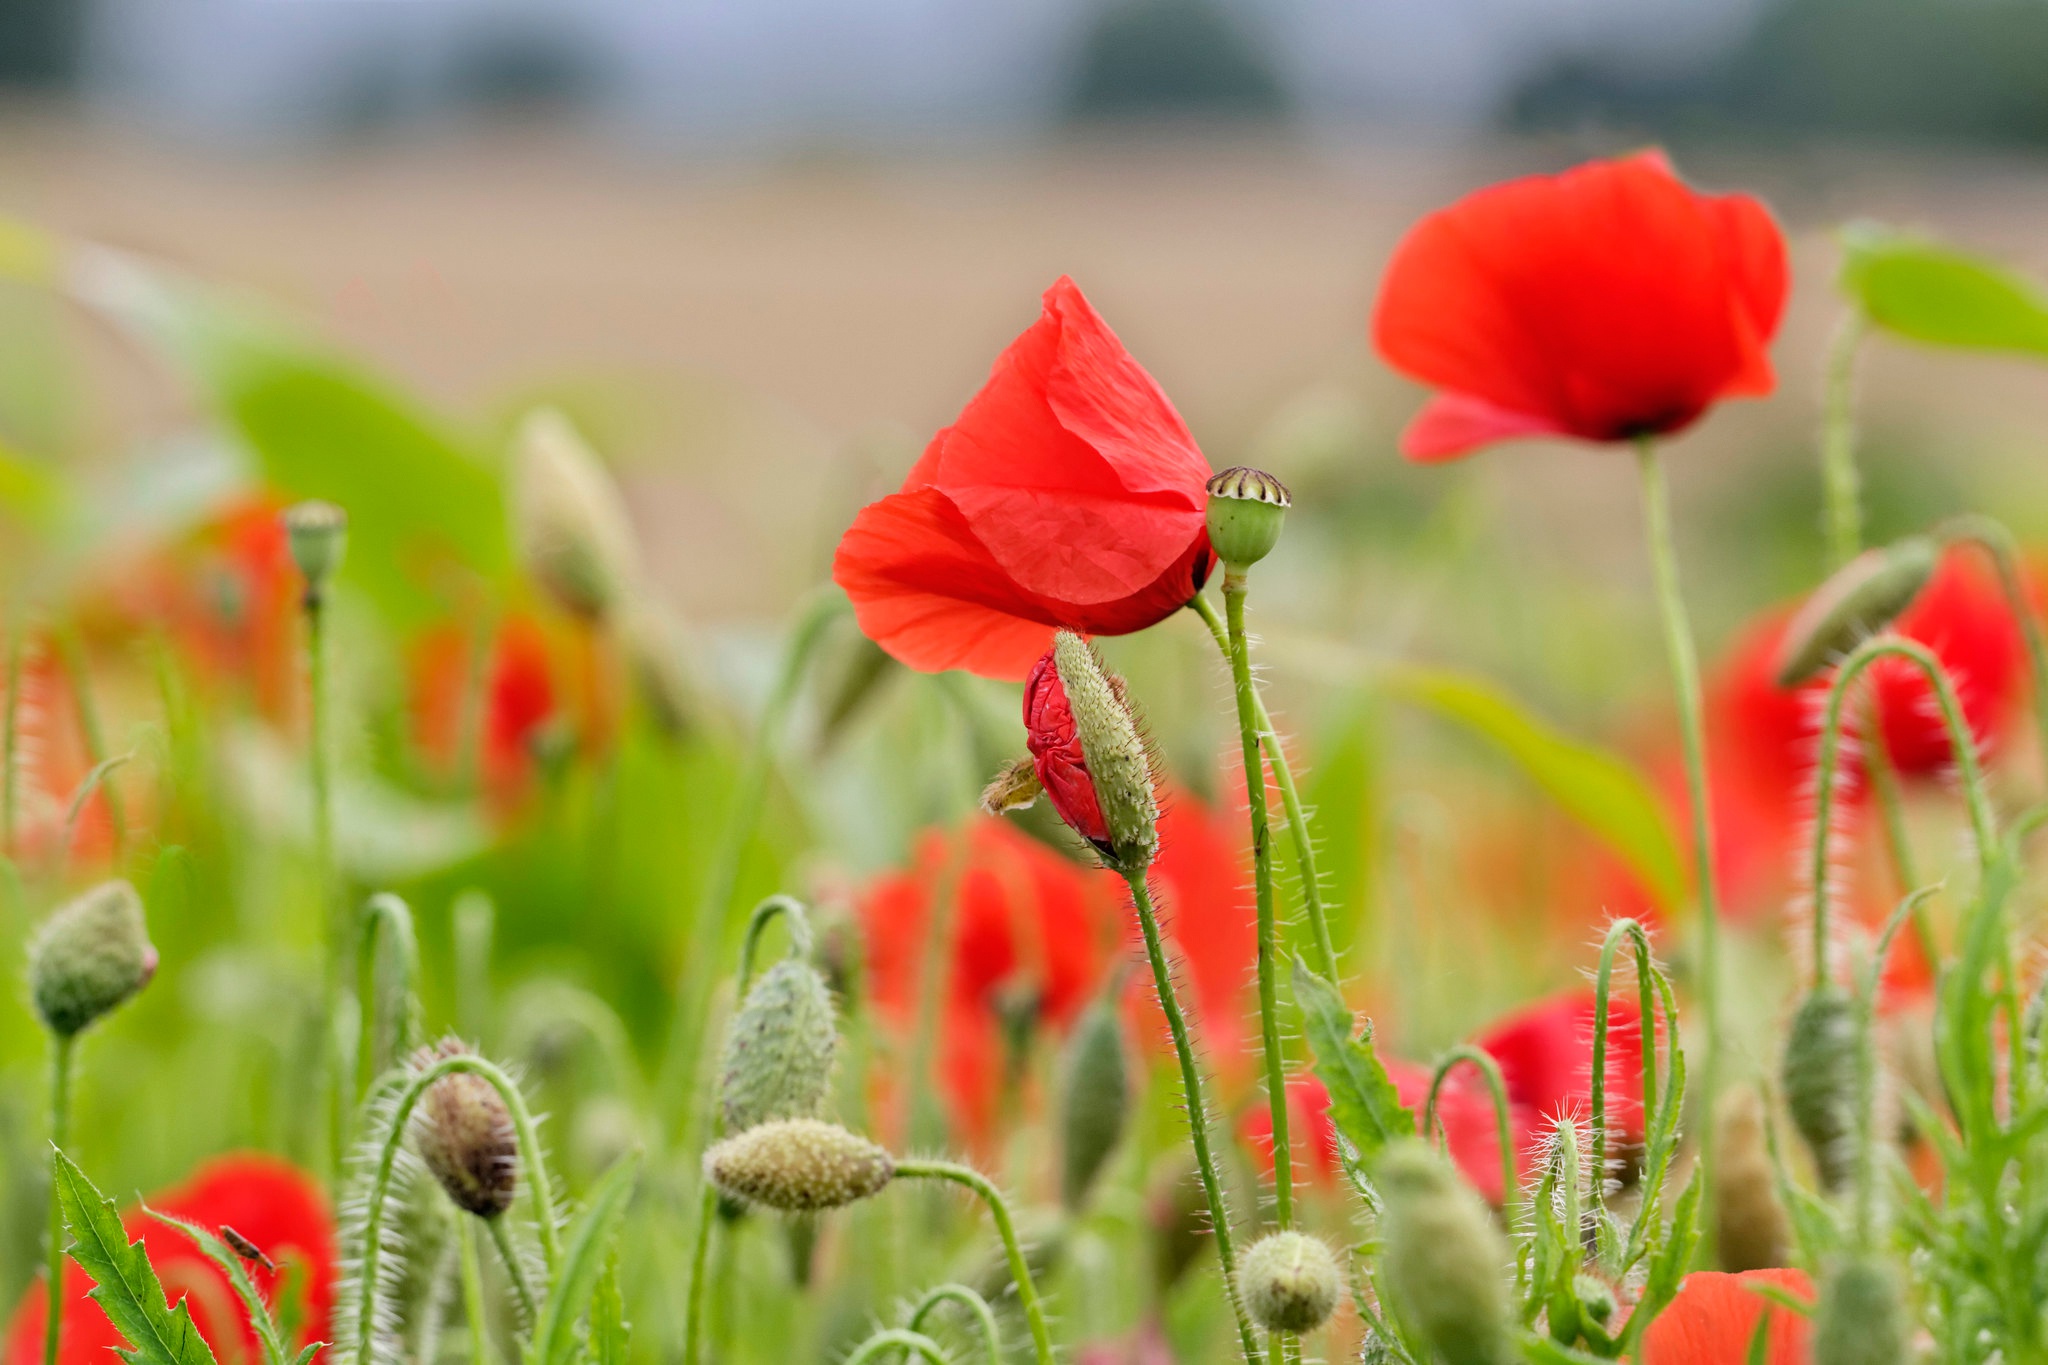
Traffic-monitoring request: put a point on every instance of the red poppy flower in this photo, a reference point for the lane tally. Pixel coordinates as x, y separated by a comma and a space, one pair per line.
272, 1204
1609, 302
519, 698
1464, 1115
1068, 494
1545, 1054
1714, 1316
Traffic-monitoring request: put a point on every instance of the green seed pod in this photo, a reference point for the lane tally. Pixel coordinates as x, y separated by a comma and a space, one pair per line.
568, 519
1821, 1083
317, 534
1291, 1282
90, 955
1118, 763
1752, 1231
1442, 1258
1247, 508
1861, 1318
465, 1136
1859, 599
798, 1165
1095, 1099
779, 1050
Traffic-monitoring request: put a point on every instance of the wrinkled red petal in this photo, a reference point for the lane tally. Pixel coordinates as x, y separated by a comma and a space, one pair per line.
1714, 1316
1545, 1054
1055, 743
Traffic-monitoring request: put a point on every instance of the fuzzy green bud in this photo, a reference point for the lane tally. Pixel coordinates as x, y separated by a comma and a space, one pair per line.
1861, 1317
1442, 1257
1118, 763
465, 1136
1752, 1231
90, 955
316, 532
569, 520
1247, 508
798, 1166
1859, 599
779, 1050
1095, 1099
1820, 1081
1290, 1282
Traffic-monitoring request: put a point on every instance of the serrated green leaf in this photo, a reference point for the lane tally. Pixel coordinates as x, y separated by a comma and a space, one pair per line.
305, 1357
1364, 1105
586, 1250
609, 1331
217, 1251
1927, 292
125, 1286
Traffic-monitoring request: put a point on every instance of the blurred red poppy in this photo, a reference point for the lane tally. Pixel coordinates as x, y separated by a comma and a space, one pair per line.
1069, 493
1715, 1315
519, 699
1464, 1114
277, 1207
1608, 302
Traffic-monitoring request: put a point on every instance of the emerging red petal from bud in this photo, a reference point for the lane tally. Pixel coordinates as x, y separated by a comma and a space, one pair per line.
1055, 743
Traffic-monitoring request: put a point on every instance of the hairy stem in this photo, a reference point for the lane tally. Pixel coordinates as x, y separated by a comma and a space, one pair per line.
509, 1257
385, 916
1842, 483
999, 1212
1646, 1007
893, 1339
1496, 1087
61, 1046
700, 1262
473, 1294
340, 1089
974, 1303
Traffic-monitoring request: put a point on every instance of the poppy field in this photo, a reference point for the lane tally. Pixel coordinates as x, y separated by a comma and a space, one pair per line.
1096, 925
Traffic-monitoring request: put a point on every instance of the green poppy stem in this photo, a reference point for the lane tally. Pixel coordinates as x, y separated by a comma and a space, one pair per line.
473, 1294
1841, 481
999, 1212
61, 1046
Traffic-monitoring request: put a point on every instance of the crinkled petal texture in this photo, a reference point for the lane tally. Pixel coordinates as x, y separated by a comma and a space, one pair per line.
1715, 1315
1604, 303
1068, 494
1055, 743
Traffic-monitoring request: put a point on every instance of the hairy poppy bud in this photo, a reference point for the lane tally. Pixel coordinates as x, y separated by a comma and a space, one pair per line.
1861, 1318
778, 1053
1291, 1282
568, 518
1089, 756
1247, 508
1094, 1099
1820, 1081
1441, 1257
90, 955
465, 1135
1859, 599
1752, 1230
317, 534
798, 1165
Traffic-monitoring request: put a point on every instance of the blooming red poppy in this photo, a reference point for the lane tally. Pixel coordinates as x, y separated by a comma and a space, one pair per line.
1068, 494
1608, 302
1714, 1317
277, 1207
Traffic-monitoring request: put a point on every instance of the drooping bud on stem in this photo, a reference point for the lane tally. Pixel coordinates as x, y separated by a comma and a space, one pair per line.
1858, 600
1751, 1226
798, 1165
1089, 755
1095, 1098
1442, 1258
1291, 1282
1861, 1318
568, 518
317, 534
465, 1135
778, 1053
90, 955
1820, 1080
1247, 508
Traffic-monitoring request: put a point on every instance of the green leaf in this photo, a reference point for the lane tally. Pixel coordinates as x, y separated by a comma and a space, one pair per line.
1364, 1104
609, 1330
1595, 786
125, 1287
217, 1251
588, 1248
1927, 292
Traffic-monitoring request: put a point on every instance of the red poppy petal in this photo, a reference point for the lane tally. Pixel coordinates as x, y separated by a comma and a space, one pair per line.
1452, 425
1754, 251
1714, 1316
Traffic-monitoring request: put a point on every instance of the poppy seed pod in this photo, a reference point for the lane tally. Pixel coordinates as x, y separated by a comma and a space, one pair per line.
1291, 1282
798, 1166
90, 955
1441, 1257
1247, 508
1858, 600
1752, 1231
568, 519
1861, 1318
465, 1135
779, 1050
317, 534
1820, 1081
1095, 1099
1090, 758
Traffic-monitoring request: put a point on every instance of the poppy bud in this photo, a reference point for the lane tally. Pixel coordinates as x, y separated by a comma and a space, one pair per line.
1861, 1317
798, 1165
1820, 1081
778, 1053
1094, 1100
465, 1135
1089, 756
1291, 1282
91, 954
317, 534
1752, 1231
1859, 599
1247, 508
663, 679
1441, 1257
568, 519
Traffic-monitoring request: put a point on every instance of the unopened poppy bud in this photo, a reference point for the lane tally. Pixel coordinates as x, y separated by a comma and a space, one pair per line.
1290, 1281
779, 1050
1820, 1081
655, 650
1090, 758
1859, 599
798, 1166
317, 534
1441, 1257
1095, 1099
464, 1134
1247, 508
1861, 1317
569, 520
90, 955
1751, 1227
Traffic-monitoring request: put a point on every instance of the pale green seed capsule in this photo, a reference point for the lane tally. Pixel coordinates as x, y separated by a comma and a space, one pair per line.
1858, 600
779, 1050
1247, 508
1820, 1080
90, 955
1291, 1282
1118, 763
1861, 1318
1095, 1099
317, 534
798, 1166
1442, 1258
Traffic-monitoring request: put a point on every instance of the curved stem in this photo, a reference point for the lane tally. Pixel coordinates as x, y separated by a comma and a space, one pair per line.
788, 907
473, 1294
896, 1338
1646, 1008
1197, 1106
1489, 1069
1842, 483
974, 1303
1884, 784
1991, 535
513, 1271
334, 915
385, 915
999, 1212
1866, 1069
61, 1045
700, 1260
